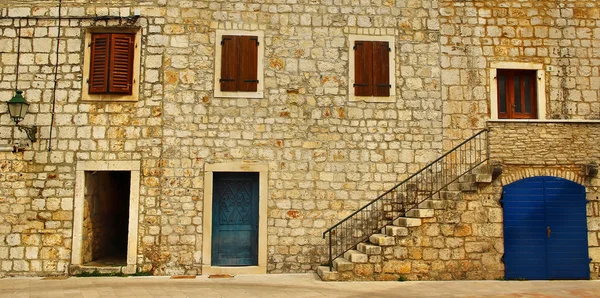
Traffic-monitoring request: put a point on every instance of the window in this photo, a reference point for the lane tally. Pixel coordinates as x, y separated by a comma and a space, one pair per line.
517, 90
372, 68
516, 94
111, 64
111, 67
239, 55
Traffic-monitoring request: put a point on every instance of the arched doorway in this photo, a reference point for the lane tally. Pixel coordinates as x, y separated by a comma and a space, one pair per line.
545, 229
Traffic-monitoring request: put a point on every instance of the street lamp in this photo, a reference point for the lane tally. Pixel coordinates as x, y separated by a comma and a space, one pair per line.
17, 108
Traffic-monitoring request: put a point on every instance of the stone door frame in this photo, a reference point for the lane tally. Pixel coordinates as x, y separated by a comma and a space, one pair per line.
134, 199
263, 172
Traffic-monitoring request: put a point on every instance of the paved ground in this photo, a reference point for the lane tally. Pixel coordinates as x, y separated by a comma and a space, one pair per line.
285, 285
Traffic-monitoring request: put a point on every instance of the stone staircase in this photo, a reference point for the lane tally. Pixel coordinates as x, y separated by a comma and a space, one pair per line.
384, 252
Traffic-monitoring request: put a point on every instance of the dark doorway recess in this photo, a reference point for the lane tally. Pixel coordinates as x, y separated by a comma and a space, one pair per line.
106, 218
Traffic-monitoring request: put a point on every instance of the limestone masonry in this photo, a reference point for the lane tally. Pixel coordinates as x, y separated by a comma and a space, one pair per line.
153, 158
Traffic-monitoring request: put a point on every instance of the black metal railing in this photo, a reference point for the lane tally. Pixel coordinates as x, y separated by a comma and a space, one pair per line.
407, 195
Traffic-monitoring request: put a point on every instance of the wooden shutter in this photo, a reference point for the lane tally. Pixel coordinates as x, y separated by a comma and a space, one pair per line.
381, 68
99, 60
229, 63
248, 47
363, 59
121, 63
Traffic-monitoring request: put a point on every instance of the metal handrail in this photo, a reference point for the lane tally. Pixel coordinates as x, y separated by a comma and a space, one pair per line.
407, 195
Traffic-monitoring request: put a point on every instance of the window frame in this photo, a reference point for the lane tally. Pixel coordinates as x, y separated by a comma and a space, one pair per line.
259, 93
352, 66
135, 84
510, 94
540, 91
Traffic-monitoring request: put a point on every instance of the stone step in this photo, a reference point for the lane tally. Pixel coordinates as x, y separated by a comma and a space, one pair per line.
382, 240
483, 178
484, 169
407, 222
463, 186
340, 264
396, 231
468, 186
450, 194
369, 249
467, 178
420, 213
433, 204
327, 275
356, 256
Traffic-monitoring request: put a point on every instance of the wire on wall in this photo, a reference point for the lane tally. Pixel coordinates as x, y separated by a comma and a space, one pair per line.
55, 76
18, 56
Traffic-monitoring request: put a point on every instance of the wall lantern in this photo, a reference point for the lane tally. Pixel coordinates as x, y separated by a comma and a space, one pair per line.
17, 108
591, 169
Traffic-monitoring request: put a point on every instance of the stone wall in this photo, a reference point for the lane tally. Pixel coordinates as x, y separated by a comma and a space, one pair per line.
462, 241
558, 149
563, 35
544, 143
326, 156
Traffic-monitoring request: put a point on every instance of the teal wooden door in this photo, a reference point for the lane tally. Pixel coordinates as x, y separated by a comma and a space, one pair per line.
235, 219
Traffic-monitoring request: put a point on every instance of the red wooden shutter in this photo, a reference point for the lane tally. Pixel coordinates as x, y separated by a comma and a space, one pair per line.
229, 63
248, 51
99, 59
121, 64
381, 68
363, 59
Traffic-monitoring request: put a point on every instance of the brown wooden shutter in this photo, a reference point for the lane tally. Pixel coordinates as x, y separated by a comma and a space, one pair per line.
248, 51
229, 63
121, 64
381, 68
363, 59
99, 60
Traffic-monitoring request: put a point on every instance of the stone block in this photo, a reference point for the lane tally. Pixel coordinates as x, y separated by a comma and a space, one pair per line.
396, 231
356, 256
364, 270
382, 240
326, 274
461, 230
397, 267
341, 264
407, 222
369, 249
419, 213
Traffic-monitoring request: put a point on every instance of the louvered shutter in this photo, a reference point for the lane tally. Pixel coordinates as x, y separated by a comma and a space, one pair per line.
363, 59
381, 68
99, 60
229, 63
248, 51
121, 64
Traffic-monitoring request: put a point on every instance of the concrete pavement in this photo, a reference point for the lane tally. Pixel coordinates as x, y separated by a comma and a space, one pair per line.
285, 285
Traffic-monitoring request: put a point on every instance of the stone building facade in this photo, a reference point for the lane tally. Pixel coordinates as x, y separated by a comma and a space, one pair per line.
319, 151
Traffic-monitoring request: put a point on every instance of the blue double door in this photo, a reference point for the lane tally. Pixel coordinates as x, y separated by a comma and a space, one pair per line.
235, 219
545, 229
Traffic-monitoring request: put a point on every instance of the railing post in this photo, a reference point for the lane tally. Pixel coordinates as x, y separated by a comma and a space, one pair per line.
330, 252
487, 145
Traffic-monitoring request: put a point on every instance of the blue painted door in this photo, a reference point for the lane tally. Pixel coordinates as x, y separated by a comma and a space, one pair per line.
545, 229
235, 219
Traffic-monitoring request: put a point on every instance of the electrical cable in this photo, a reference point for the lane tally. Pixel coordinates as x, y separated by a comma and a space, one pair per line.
55, 76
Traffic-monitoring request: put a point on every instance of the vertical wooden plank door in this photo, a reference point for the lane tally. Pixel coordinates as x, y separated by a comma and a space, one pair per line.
545, 229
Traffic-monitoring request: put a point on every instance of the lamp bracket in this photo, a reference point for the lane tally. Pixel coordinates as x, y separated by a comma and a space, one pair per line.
31, 131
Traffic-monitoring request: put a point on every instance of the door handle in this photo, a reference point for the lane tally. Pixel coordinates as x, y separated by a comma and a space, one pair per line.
549, 231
